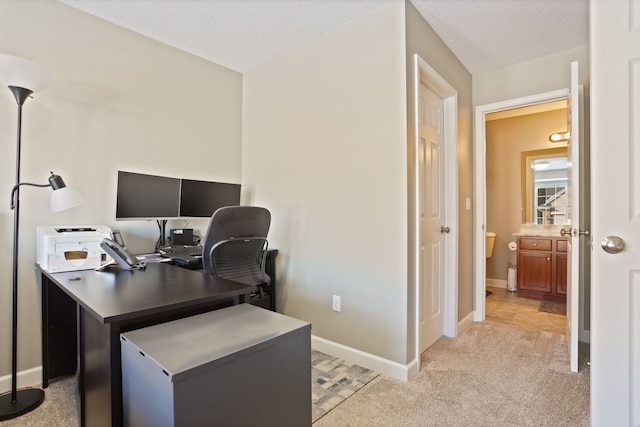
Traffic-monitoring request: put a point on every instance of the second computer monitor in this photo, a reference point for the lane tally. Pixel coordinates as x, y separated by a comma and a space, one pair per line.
200, 199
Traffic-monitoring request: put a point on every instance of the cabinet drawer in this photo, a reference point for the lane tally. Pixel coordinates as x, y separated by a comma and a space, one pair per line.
534, 244
561, 245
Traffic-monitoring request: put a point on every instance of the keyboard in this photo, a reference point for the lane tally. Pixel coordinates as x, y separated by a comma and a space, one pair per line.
191, 250
186, 260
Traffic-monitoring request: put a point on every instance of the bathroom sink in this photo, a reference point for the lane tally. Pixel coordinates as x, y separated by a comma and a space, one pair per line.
539, 230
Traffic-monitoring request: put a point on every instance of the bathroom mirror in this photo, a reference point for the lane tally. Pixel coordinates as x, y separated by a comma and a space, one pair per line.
544, 186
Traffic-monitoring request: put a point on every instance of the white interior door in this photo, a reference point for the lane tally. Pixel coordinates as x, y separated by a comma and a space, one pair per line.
431, 206
615, 213
573, 216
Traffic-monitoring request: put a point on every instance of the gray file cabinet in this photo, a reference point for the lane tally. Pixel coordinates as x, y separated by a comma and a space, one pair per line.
238, 366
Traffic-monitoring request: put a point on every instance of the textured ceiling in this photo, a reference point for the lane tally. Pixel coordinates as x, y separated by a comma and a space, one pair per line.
241, 34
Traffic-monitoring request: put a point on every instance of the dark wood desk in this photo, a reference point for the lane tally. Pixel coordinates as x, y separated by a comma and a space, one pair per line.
84, 312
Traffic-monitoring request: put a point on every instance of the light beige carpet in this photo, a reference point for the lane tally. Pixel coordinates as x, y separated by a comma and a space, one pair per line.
333, 381
58, 409
490, 375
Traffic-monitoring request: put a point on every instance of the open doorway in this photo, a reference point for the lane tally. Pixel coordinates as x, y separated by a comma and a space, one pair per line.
504, 173
572, 242
526, 189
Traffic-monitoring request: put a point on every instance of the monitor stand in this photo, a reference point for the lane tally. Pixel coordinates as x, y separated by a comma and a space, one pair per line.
162, 225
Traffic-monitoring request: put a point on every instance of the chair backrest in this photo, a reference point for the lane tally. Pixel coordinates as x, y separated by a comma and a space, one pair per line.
236, 242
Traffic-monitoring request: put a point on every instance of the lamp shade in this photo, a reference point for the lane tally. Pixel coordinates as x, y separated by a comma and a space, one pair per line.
20, 72
65, 198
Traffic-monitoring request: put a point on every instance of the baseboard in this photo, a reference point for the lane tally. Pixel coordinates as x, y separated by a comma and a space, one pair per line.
465, 323
27, 378
496, 283
366, 360
376, 363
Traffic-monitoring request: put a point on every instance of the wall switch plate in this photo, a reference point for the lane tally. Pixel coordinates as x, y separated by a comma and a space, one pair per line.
468, 203
335, 306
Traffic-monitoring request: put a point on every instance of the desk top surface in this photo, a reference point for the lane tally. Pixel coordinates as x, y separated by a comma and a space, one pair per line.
116, 295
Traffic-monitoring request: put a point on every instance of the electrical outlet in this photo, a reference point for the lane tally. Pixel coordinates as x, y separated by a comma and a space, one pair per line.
336, 303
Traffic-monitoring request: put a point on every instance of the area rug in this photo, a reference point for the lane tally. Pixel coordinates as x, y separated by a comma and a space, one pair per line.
332, 381
553, 307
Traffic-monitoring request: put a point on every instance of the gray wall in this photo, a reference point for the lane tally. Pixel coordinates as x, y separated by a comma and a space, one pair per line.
324, 150
545, 74
421, 39
117, 101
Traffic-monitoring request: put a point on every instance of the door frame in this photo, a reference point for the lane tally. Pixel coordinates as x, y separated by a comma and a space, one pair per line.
423, 72
480, 212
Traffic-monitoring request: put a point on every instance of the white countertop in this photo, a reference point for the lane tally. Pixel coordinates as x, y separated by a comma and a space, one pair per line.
541, 234
539, 230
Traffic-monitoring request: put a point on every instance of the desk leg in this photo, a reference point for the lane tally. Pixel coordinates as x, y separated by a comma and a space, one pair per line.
99, 378
59, 334
44, 326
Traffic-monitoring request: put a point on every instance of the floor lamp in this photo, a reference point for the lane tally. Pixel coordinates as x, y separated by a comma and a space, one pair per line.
19, 75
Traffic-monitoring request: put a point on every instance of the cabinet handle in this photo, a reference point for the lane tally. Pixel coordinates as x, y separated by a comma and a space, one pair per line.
535, 244
548, 259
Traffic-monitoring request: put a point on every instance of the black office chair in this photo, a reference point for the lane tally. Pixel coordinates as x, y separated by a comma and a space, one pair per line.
235, 245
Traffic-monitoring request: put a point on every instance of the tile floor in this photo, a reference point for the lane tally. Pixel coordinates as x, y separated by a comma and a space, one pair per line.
503, 306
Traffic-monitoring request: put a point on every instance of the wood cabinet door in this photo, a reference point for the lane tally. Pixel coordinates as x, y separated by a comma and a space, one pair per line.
534, 271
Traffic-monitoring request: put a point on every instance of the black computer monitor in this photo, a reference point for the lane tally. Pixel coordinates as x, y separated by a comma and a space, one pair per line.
147, 197
200, 199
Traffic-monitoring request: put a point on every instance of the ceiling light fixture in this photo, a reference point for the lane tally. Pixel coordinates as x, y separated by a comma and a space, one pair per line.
560, 137
540, 165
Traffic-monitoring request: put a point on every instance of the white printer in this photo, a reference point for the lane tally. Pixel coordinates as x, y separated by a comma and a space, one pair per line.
71, 248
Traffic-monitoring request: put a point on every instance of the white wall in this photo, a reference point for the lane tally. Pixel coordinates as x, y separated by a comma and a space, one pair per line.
118, 101
324, 134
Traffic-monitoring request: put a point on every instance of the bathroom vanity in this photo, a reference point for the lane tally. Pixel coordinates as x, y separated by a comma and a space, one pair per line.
542, 267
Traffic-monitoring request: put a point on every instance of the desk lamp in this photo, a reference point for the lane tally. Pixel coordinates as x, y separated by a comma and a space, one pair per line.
23, 77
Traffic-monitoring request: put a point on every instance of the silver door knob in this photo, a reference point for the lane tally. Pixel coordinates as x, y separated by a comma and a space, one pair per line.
444, 229
564, 232
612, 244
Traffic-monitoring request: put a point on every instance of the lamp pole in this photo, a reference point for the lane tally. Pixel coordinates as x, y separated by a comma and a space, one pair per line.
25, 400
18, 74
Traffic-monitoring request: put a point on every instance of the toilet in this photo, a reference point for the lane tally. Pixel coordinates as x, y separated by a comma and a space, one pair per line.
490, 240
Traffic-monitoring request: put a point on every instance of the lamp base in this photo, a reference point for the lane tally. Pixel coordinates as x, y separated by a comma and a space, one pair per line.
27, 400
